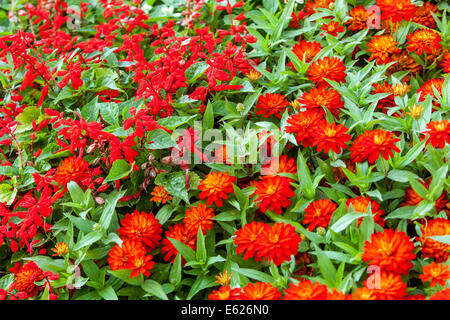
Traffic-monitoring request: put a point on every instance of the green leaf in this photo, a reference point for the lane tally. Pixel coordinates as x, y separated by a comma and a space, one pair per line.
87, 240
108, 293
47, 263
119, 169
444, 239
208, 117
346, 220
155, 289
124, 275
195, 71
327, 269
184, 250
201, 249
200, 284
175, 271
109, 209
160, 139
76, 193
283, 21
7, 193
110, 112
174, 183
254, 274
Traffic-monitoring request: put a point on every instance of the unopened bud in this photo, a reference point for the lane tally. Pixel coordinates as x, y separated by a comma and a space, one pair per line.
166, 160
239, 107
99, 200
151, 157
144, 166
321, 231
96, 227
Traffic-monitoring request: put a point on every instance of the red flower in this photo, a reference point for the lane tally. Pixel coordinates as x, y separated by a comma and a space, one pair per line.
327, 68
273, 193
441, 295
72, 169
318, 213
260, 291
226, 293
302, 124
141, 226
277, 243
371, 144
305, 51
382, 48
396, 10
320, 97
178, 232
390, 250
25, 277
332, 28
271, 103
438, 133
283, 164
436, 273
430, 247
330, 136
215, 187
423, 40
361, 204
306, 290
200, 216
246, 239
386, 286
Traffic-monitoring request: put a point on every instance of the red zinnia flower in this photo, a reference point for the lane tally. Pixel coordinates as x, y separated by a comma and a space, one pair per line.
386, 286
322, 96
436, 273
327, 68
260, 291
271, 103
246, 239
430, 247
364, 294
277, 243
72, 169
131, 256
200, 216
423, 40
438, 133
382, 47
318, 213
25, 277
306, 51
427, 88
306, 290
273, 193
283, 164
371, 143
396, 10
334, 294
141, 226
302, 124
361, 204
178, 232
330, 136
332, 28
390, 250
387, 102
215, 187
446, 62
226, 293
441, 295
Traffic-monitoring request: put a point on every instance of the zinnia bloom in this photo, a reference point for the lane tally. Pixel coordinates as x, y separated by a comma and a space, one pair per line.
334, 294
200, 216
359, 18
390, 250
382, 47
305, 51
271, 104
277, 243
215, 187
404, 62
25, 277
319, 97
438, 133
330, 136
302, 124
412, 198
306, 290
427, 88
160, 195
260, 291
371, 144
387, 102
441, 295
423, 40
273, 193
143, 227
246, 239
283, 164
423, 15
436, 273
364, 293
226, 293
332, 28
430, 247
327, 68
181, 233
72, 169
386, 286
396, 10
60, 249
446, 62
130, 256
361, 204
319, 213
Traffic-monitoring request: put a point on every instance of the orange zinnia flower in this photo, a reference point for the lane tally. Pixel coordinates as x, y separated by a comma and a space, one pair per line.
423, 40
390, 250
436, 273
143, 227
327, 68
273, 193
260, 291
386, 286
271, 104
60, 249
438, 133
427, 88
330, 136
387, 102
396, 10
359, 18
382, 47
305, 51
25, 277
371, 144
246, 239
302, 124
306, 290
277, 243
130, 256
200, 216
364, 294
332, 28
423, 15
446, 62
181, 233
215, 187
412, 198
283, 164
319, 97
160, 195
318, 213
333, 294
226, 293
72, 169
441, 295
361, 204
430, 247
